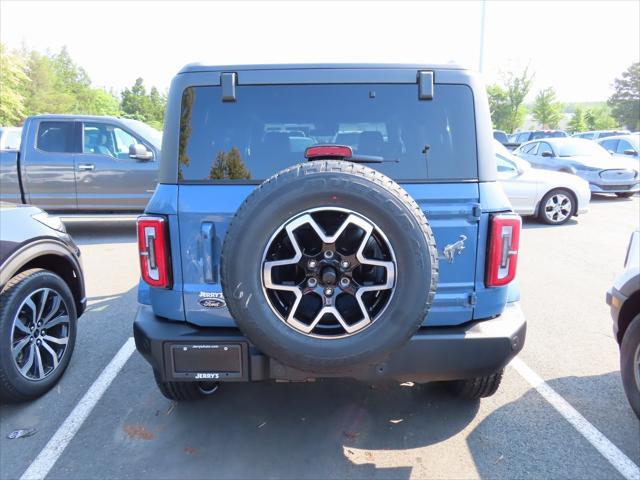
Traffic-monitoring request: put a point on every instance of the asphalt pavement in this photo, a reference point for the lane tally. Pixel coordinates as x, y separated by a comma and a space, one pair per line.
346, 429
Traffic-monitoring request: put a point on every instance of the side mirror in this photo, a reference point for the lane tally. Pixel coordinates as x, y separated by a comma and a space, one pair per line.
631, 152
547, 154
140, 152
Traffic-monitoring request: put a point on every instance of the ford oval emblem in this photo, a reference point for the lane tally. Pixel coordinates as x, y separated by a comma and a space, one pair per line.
212, 302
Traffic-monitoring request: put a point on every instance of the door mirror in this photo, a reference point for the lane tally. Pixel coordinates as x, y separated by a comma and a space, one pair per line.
140, 152
631, 152
547, 154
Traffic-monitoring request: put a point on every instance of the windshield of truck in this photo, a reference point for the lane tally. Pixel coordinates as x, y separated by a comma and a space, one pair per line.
268, 128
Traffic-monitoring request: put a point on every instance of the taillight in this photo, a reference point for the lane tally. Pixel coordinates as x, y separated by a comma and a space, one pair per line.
502, 259
154, 251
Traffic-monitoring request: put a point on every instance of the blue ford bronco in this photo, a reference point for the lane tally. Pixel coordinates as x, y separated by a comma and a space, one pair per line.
319, 221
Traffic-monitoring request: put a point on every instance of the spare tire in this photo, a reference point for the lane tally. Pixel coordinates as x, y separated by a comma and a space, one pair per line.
327, 265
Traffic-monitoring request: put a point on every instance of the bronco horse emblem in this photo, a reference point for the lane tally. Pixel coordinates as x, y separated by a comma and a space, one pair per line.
453, 249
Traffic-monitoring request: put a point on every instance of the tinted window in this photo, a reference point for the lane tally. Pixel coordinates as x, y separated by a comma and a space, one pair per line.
522, 137
505, 165
607, 134
268, 128
56, 137
609, 145
538, 135
624, 145
544, 147
500, 136
530, 149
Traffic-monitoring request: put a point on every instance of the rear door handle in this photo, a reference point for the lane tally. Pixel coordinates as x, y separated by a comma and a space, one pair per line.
84, 167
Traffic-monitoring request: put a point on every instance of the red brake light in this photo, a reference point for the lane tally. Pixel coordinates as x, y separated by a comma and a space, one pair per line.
154, 251
504, 240
328, 151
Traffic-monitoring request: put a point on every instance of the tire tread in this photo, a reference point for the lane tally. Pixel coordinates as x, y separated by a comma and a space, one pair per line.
8, 392
357, 170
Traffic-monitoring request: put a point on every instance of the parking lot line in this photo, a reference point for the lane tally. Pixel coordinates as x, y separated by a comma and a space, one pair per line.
47, 458
608, 450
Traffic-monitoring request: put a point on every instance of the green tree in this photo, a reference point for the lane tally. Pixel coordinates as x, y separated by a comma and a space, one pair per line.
599, 118
517, 88
546, 110
498, 106
577, 122
229, 166
236, 169
13, 81
140, 105
625, 102
44, 93
219, 168
58, 85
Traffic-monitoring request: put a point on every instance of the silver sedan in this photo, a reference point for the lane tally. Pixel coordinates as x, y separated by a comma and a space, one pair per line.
553, 197
604, 172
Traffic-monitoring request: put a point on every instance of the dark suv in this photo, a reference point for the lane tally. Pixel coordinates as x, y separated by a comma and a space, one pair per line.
328, 221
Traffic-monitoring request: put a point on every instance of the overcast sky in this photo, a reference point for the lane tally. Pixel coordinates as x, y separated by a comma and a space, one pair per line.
576, 47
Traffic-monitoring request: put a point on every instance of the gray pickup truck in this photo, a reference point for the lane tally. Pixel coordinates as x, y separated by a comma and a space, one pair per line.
80, 163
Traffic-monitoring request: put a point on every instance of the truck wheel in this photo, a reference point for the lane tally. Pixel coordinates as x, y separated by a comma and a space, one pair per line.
37, 334
329, 264
185, 391
557, 207
477, 388
630, 363
625, 194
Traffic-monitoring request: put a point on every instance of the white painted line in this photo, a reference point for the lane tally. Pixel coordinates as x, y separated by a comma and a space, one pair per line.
608, 450
47, 458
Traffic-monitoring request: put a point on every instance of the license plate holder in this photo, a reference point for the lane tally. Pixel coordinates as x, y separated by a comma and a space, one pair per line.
207, 361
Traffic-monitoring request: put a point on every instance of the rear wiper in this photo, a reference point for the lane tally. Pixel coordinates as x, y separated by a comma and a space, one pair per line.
341, 152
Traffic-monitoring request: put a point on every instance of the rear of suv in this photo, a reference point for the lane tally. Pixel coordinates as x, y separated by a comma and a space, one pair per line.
328, 221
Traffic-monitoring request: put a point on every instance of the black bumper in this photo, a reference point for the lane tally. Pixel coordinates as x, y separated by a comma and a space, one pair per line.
179, 351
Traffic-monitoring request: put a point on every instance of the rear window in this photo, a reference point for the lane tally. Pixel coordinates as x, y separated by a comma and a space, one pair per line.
268, 128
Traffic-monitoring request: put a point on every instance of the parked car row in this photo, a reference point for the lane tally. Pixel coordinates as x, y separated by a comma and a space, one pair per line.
586, 159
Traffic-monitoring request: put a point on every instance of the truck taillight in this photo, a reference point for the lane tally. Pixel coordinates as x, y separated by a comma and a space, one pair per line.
154, 251
502, 258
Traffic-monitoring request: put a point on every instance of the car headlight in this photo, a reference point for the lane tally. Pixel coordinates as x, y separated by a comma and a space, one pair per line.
51, 222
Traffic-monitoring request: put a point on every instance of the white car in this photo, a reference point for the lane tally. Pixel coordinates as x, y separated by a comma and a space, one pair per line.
553, 197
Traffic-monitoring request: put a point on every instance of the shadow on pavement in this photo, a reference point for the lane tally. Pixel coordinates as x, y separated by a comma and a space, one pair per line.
530, 223
327, 429
602, 198
528, 438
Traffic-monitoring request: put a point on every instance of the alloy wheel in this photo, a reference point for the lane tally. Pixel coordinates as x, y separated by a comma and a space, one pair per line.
329, 272
40, 334
558, 208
